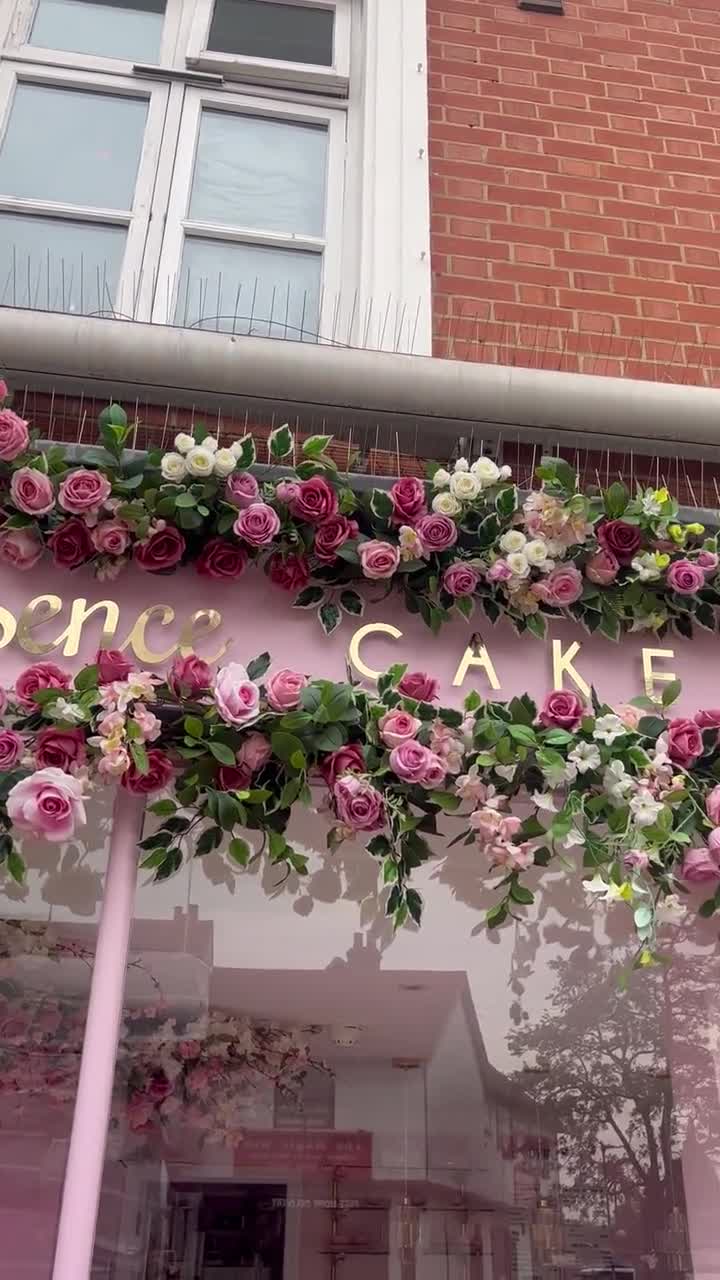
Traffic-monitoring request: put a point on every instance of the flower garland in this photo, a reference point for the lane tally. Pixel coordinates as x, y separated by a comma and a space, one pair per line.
612, 561
636, 792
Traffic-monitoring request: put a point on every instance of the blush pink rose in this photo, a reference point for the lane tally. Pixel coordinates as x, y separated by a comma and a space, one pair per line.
685, 577
159, 774
709, 719
161, 551
499, 571
254, 752
419, 685
111, 537
712, 806
331, 535
31, 491
560, 588
71, 543
286, 491
409, 501
412, 762
685, 742
397, 727
189, 676
220, 559
378, 560
257, 525
284, 689
60, 749
460, 579
112, 665
292, 572
714, 840
602, 568
562, 709
11, 749
636, 859
83, 491
358, 804
700, 865
436, 532
237, 697
242, 489
14, 435
315, 500
20, 548
41, 675
630, 716
347, 759
621, 539
708, 562
48, 805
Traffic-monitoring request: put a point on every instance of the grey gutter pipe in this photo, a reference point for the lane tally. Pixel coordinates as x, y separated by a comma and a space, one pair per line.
437, 399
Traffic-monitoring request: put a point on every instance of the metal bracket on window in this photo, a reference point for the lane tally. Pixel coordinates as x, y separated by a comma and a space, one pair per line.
542, 6
183, 77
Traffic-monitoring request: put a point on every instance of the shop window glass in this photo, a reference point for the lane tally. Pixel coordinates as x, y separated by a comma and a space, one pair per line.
103, 27
287, 32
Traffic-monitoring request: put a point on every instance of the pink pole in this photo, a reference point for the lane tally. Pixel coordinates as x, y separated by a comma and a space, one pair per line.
86, 1156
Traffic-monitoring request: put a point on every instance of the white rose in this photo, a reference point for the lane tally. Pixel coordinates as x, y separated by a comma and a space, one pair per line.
536, 551
505, 472
462, 464
184, 443
518, 565
173, 466
441, 479
225, 462
486, 471
513, 540
236, 448
445, 504
200, 461
210, 443
464, 485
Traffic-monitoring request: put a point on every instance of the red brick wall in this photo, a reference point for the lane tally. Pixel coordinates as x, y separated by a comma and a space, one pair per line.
575, 185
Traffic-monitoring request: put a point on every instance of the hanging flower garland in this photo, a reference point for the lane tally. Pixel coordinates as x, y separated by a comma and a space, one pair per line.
228, 755
612, 561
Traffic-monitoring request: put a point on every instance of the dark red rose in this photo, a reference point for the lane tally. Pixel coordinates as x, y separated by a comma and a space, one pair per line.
60, 748
291, 572
233, 777
159, 774
331, 534
348, 759
71, 543
41, 675
162, 550
315, 500
189, 676
621, 539
221, 559
562, 709
112, 665
419, 685
409, 500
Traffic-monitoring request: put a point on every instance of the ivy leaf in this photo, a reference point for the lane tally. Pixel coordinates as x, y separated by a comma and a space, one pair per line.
352, 603
315, 446
208, 841
154, 859
246, 453
506, 501
381, 504
280, 443
671, 692
258, 666
414, 905
651, 726
330, 617
308, 598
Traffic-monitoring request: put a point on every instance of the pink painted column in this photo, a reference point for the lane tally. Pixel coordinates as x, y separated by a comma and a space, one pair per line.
86, 1156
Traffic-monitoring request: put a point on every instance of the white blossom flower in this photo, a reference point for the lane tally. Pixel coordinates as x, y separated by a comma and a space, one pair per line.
650, 503
608, 728
200, 461
462, 464
173, 466
61, 709
536, 551
225, 462
487, 472
573, 838
184, 443
506, 771
670, 910
411, 547
646, 567
610, 892
464, 486
505, 472
518, 565
445, 504
556, 775
441, 479
545, 800
596, 885
617, 781
513, 540
644, 808
585, 756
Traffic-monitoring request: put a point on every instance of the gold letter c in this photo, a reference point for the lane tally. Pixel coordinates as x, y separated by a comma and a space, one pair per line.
371, 628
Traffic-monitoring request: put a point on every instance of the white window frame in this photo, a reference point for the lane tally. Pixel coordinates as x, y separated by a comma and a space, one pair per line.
293, 75
178, 225
136, 219
18, 43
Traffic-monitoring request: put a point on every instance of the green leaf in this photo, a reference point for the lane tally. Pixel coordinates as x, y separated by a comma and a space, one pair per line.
390, 871
194, 727
285, 745
308, 598
519, 893
381, 504
140, 757
446, 800
671, 692
208, 841
16, 866
86, 679
414, 905
379, 847
506, 501
352, 603
154, 859
707, 908
651, 726
330, 617
277, 845
240, 852
496, 915
113, 416
315, 446
246, 453
163, 808
280, 443
258, 666
222, 753
523, 733
616, 500
535, 623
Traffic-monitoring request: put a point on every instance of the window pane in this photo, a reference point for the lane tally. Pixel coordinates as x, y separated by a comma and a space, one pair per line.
264, 174
244, 288
129, 30
73, 146
55, 265
288, 32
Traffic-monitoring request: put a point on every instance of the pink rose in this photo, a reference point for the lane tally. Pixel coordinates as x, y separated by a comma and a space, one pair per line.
712, 806
397, 727
630, 716
3, 390
82, 491
254, 752
42, 675
242, 489
420, 686
700, 865
237, 697
315, 500
188, 1050
332, 534
286, 491
221, 560
20, 548
685, 742
378, 559
460, 579
14, 435
257, 525
562, 709
111, 537
636, 859
709, 719
11, 749
560, 588
358, 805
412, 762
60, 749
284, 689
112, 665
347, 759
708, 562
685, 577
436, 771
290, 572
714, 840
621, 539
71, 543
31, 491
602, 568
437, 533
409, 500
189, 677
159, 775
233, 777
499, 571
48, 804
162, 550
